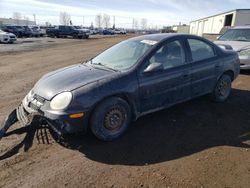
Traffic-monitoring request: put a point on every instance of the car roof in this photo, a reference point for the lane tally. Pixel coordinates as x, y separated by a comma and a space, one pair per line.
159, 37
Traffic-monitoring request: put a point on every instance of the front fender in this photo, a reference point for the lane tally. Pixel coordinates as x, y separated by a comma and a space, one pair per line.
125, 86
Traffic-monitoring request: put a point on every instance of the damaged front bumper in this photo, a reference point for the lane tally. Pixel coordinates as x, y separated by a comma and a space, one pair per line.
37, 108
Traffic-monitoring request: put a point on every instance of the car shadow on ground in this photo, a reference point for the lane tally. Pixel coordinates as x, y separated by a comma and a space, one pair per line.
41, 133
245, 72
177, 132
180, 131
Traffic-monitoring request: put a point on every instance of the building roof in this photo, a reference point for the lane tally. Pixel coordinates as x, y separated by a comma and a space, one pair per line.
235, 10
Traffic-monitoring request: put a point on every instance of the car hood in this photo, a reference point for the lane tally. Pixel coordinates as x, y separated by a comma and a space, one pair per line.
5, 33
236, 45
68, 79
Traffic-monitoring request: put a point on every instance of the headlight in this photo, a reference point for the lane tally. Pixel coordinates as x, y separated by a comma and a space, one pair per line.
245, 52
61, 101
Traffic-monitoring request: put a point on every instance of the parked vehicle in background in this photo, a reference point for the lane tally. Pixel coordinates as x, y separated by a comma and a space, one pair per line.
28, 32
65, 31
38, 32
16, 30
108, 32
94, 31
85, 30
238, 38
120, 31
7, 37
43, 30
133, 78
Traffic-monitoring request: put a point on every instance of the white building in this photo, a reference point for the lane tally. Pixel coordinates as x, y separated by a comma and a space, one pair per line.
212, 25
10, 21
181, 28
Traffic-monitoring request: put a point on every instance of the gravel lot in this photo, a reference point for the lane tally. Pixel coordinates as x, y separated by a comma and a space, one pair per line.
195, 144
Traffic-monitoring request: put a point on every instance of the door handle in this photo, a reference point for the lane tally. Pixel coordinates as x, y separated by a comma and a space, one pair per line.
186, 76
218, 66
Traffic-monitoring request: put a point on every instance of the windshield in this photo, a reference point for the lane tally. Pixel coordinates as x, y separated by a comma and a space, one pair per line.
236, 35
122, 56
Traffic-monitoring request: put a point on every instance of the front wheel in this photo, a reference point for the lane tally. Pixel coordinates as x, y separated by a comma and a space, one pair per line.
110, 119
222, 89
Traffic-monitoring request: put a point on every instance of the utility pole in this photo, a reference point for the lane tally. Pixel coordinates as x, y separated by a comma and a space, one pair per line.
83, 21
114, 23
133, 23
34, 15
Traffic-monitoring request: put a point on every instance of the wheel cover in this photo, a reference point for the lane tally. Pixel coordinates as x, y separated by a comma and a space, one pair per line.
224, 88
115, 118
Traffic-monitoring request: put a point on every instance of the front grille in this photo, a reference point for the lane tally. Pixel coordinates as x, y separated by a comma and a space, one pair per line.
12, 37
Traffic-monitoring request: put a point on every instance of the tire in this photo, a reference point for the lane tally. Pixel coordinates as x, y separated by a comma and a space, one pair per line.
110, 119
86, 36
222, 89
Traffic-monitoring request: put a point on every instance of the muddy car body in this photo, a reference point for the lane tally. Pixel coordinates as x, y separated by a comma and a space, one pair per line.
107, 92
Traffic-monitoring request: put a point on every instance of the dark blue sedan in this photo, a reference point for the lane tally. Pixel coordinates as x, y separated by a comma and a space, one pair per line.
133, 78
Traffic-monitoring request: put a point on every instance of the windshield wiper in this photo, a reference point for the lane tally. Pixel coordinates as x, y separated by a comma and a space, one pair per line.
86, 61
105, 66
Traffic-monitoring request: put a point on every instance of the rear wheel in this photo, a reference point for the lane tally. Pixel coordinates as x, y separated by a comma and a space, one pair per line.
110, 119
86, 36
222, 89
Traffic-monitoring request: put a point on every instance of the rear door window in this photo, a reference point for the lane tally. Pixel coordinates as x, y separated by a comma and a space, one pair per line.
200, 50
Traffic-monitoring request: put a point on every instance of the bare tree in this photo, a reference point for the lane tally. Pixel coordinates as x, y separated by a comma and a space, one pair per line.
98, 20
106, 20
65, 18
144, 23
17, 16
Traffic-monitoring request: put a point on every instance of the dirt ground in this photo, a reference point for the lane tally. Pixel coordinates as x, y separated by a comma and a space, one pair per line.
195, 144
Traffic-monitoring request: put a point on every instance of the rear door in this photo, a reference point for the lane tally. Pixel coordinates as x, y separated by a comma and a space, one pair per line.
205, 66
169, 86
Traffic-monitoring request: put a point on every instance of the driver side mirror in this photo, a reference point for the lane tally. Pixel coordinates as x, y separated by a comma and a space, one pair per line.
153, 67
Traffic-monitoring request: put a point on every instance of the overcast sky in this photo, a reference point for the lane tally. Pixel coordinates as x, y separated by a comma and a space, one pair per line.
158, 12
